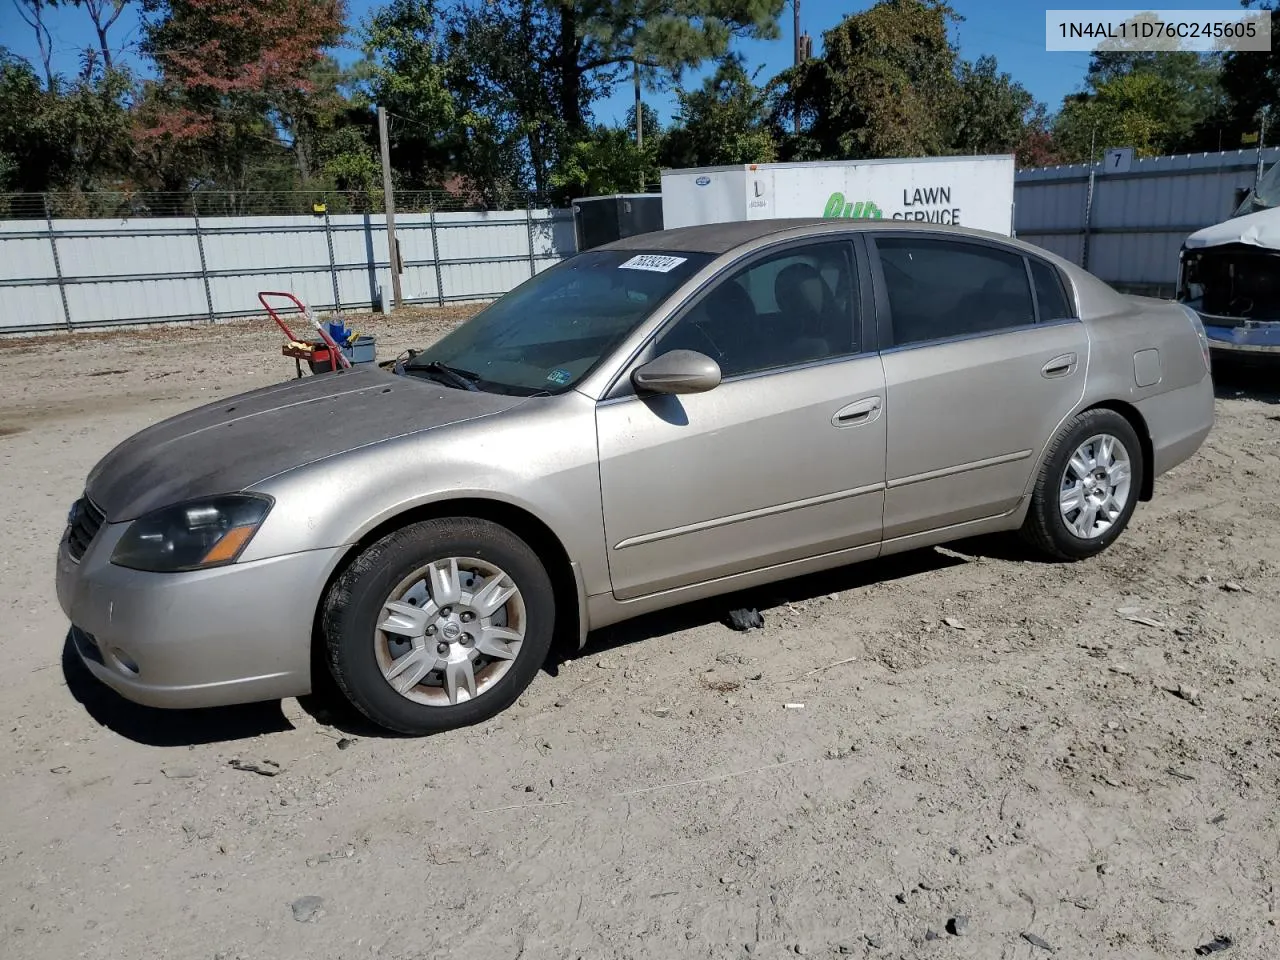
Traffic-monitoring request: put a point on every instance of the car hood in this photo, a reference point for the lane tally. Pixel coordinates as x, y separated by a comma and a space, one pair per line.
1261, 229
233, 443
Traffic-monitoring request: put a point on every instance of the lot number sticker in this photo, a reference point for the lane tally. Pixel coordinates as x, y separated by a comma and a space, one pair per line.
653, 263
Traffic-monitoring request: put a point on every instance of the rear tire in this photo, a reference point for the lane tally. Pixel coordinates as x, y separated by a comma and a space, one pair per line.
1088, 487
438, 625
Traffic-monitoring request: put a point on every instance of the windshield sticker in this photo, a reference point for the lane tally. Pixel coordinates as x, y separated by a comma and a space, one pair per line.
653, 263
559, 376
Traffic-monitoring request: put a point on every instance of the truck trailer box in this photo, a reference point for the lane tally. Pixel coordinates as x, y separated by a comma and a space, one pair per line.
600, 220
967, 191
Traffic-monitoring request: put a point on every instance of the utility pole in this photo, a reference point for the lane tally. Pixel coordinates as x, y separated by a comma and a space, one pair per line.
393, 248
635, 74
799, 50
795, 12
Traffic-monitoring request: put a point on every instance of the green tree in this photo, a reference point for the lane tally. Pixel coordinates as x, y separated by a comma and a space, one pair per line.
330, 119
73, 137
723, 122
349, 162
651, 124
993, 110
598, 40
499, 57
500, 92
407, 75
1157, 101
24, 142
607, 161
1250, 85
94, 128
885, 86
1134, 110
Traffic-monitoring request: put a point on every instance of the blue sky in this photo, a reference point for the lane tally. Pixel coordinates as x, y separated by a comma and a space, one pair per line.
1012, 30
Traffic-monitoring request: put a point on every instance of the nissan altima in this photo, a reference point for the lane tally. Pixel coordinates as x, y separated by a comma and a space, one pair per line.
665, 418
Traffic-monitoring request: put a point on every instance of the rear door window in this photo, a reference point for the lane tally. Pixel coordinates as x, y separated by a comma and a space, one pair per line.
939, 289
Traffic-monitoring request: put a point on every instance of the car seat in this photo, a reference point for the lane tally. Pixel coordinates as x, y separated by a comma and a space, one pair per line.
805, 302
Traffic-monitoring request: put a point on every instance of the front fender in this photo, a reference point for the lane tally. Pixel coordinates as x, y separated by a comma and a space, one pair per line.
542, 461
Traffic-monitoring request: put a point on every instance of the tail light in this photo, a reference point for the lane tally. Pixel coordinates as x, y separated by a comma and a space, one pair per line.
1198, 326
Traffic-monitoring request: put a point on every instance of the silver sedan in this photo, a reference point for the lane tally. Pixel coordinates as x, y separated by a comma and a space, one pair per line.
666, 418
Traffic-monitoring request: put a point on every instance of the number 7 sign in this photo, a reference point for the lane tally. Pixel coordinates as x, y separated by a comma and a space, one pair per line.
1117, 160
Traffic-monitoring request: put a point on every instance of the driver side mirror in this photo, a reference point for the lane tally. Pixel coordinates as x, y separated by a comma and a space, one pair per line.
678, 371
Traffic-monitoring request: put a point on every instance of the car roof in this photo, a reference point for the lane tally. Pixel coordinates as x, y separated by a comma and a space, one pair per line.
719, 238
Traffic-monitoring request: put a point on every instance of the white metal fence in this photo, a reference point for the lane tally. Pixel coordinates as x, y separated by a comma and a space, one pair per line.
65, 273
62, 273
1131, 231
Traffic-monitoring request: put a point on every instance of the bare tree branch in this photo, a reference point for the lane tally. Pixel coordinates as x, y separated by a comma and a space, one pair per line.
104, 14
32, 13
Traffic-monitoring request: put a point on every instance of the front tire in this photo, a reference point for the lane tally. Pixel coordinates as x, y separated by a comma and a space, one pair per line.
1088, 487
438, 625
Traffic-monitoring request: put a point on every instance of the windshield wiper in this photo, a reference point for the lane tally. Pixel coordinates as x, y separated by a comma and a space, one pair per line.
462, 379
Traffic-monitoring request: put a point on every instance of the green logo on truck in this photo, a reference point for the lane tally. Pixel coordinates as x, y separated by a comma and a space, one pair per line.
862, 210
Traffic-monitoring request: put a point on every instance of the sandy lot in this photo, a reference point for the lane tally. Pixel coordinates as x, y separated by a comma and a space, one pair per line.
1002, 746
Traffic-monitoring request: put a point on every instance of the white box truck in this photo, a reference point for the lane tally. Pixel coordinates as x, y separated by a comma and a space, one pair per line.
968, 191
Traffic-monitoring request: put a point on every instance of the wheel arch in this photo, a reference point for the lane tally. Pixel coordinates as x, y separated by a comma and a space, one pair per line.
1131, 413
566, 583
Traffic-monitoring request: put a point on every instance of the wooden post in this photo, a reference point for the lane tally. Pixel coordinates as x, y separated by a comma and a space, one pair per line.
388, 197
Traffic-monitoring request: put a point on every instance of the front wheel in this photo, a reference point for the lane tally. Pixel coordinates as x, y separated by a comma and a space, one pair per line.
1088, 487
439, 625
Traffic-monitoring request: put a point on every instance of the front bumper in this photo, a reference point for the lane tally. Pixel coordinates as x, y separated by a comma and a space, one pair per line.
234, 634
1253, 338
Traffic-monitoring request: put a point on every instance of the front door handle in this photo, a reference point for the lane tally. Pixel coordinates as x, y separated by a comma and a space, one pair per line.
858, 412
1059, 366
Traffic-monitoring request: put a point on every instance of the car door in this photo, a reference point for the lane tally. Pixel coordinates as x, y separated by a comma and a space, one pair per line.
783, 460
983, 358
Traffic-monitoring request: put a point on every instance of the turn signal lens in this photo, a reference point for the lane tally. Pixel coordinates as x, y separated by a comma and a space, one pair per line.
229, 547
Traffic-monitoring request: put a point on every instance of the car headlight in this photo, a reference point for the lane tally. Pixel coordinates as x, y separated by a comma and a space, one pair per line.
195, 535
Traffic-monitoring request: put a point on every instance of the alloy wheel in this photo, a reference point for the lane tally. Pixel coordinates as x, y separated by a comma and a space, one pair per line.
450, 631
1096, 486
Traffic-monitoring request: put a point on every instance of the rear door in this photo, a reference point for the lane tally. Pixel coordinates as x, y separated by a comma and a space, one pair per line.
983, 358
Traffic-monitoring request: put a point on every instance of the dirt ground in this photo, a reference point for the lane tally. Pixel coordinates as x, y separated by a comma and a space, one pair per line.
988, 763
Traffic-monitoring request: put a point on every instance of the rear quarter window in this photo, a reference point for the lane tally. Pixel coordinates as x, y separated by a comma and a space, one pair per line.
1051, 295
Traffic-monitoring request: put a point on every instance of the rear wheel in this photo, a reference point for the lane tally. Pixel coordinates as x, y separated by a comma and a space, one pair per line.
439, 625
1088, 487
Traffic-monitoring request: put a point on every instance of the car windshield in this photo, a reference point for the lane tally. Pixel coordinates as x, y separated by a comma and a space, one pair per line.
551, 331
1265, 195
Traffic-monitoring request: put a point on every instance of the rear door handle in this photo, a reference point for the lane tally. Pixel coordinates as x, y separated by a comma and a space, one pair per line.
1059, 366
858, 412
